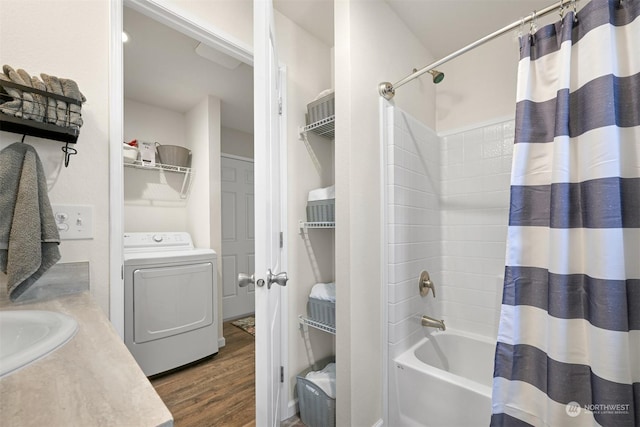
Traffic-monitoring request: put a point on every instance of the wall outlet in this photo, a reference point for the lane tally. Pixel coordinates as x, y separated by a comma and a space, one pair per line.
74, 221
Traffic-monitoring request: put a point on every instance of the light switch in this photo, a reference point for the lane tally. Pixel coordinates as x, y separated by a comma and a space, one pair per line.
74, 221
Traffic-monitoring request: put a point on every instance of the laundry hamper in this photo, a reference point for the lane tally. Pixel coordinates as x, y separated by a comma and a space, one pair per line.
317, 409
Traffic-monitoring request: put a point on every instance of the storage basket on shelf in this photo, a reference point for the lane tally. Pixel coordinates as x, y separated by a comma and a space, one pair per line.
321, 205
174, 155
322, 311
321, 210
321, 108
317, 408
321, 305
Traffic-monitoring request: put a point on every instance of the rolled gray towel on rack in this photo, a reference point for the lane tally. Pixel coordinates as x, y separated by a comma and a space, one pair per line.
28, 111
38, 107
54, 86
70, 88
13, 107
40, 99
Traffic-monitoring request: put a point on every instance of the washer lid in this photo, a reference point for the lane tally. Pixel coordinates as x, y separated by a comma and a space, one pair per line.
167, 257
160, 241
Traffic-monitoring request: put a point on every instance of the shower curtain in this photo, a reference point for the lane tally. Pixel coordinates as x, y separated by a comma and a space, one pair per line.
568, 351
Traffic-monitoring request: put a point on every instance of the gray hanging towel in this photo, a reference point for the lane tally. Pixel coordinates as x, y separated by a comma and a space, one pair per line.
29, 237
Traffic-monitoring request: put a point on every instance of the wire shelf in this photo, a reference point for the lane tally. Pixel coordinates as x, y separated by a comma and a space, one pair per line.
139, 164
318, 325
188, 173
325, 127
317, 224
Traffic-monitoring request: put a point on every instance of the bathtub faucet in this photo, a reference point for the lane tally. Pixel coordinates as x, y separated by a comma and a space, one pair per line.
433, 323
425, 283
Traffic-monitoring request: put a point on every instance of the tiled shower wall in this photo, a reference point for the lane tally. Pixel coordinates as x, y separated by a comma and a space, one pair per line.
475, 177
413, 226
447, 210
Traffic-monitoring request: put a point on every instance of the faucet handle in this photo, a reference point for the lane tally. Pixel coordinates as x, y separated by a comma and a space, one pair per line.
425, 283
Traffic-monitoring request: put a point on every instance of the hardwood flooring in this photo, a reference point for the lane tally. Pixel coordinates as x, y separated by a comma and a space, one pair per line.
219, 391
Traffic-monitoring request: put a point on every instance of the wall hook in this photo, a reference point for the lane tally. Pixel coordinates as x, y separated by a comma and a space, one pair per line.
68, 152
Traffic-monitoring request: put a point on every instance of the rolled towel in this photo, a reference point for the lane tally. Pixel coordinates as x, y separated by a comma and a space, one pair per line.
51, 115
54, 86
70, 88
322, 194
13, 107
43, 101
325, 379
37, 112
324, 291
28, 105
323, 94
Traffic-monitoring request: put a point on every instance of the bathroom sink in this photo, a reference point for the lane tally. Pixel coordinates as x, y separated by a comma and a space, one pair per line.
28, 335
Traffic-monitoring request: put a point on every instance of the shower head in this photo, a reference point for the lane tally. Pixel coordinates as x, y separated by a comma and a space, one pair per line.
388, 90
438, 76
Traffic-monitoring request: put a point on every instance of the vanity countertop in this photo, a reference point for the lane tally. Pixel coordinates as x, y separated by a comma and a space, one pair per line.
92, 380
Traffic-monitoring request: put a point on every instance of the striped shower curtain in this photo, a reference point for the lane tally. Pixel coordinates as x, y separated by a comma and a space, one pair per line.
568, 351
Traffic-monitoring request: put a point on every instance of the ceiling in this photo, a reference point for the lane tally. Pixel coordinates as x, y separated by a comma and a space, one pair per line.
161, 67
443, 26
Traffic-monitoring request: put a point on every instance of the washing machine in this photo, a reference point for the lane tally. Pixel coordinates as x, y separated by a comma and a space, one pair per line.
171, 316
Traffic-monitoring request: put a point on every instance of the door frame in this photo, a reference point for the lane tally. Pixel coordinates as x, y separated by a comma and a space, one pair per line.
201, 31
209, 35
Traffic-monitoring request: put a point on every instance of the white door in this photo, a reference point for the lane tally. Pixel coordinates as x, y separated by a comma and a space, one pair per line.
270, 168
238, 233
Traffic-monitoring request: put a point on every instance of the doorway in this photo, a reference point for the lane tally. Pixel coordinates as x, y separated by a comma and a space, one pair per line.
175, 20
179, 91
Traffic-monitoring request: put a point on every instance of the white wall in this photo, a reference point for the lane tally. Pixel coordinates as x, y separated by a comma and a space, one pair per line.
479, 86
204, 210
231, 17
152, 198
69, 39
236, 142
374, 46
203, 139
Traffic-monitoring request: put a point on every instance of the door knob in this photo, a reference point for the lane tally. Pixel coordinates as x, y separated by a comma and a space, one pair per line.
280, 278
245, 280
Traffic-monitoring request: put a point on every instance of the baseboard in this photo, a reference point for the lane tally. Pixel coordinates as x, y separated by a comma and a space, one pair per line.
292, 409
221, 342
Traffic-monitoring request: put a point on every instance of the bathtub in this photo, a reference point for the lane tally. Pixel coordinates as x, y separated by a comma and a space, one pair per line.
444, 381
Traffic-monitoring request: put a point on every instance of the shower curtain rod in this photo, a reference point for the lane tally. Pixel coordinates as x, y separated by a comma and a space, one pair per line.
388, 90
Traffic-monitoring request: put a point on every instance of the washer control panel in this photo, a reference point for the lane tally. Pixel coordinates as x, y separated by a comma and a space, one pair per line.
157, 241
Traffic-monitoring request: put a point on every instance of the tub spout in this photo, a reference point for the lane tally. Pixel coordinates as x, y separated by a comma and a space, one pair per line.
433, 323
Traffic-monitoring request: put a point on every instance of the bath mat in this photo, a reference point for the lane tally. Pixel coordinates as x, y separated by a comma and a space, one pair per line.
247, 324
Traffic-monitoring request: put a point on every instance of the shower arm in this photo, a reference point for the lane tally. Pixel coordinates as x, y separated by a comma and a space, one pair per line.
388, 90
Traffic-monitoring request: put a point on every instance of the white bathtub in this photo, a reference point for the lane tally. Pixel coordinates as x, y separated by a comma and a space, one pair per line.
445, 381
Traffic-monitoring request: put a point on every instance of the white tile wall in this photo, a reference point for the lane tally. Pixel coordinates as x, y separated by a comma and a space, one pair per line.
476, 166
413, 226
447, 212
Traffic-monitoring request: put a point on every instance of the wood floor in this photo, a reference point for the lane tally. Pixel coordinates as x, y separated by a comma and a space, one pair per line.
216, 392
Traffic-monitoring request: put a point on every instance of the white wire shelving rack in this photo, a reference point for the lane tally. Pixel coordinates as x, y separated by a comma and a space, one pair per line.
306, 322
188, 172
